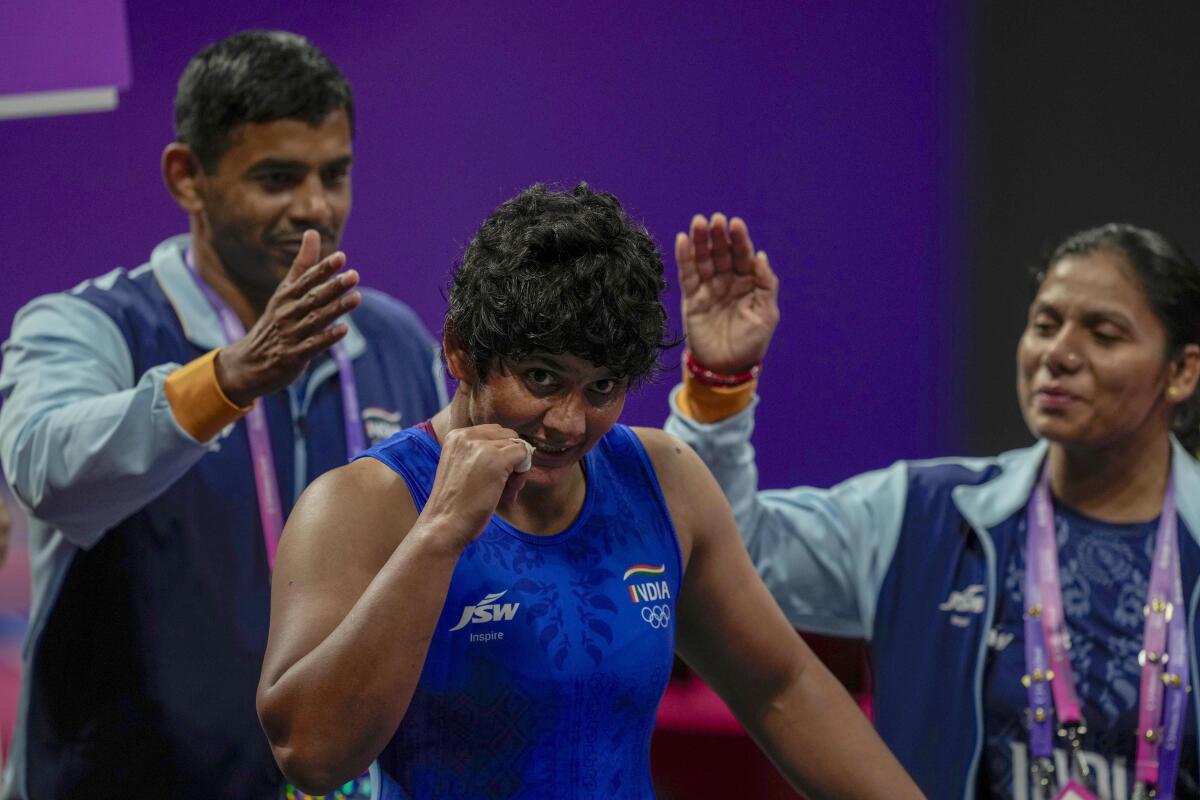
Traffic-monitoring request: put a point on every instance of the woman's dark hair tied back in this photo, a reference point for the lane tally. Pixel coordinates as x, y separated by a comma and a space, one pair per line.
1170, 281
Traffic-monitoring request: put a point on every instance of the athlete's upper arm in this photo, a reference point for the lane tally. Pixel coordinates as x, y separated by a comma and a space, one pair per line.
728, 626
343, 529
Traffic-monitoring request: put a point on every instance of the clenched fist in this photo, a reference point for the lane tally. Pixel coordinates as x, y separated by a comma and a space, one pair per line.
481, 468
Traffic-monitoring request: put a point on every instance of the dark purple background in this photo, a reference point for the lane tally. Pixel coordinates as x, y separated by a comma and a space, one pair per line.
50, 45
825, 125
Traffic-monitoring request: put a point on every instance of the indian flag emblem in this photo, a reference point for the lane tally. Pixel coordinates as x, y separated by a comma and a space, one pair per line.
644, 569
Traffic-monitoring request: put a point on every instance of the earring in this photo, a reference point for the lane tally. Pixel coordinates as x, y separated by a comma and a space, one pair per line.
1172, 392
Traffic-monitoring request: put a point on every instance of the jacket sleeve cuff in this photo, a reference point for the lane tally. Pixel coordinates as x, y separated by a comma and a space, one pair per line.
707, 404
196, 399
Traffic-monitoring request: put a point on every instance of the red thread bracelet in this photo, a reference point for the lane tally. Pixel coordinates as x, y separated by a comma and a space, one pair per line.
710, 378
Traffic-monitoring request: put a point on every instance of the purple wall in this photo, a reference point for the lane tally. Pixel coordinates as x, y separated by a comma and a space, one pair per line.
820, 123
50, 45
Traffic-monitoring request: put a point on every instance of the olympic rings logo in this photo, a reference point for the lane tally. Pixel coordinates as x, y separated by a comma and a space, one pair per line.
657, 616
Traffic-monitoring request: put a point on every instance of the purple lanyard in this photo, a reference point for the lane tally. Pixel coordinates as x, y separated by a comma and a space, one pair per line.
1050, 684
270, 510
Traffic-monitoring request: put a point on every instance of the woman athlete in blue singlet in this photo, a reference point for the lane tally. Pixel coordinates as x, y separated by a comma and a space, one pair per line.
494, 597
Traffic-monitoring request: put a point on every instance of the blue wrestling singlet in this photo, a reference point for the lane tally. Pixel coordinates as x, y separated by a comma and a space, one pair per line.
552, 652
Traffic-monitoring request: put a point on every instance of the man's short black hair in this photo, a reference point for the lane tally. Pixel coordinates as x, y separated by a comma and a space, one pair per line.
254, 76
560, 272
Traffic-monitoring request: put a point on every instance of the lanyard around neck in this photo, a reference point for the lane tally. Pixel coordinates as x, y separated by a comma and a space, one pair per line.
270, 509
1050, 682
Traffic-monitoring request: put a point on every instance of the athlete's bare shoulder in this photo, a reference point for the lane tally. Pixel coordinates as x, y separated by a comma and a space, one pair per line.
686, 483
668, 455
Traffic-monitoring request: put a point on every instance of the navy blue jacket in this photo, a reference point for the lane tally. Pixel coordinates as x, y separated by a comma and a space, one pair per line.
151, 588
906, 557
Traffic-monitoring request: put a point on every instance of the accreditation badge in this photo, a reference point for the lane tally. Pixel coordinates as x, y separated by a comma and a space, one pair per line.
1074, 790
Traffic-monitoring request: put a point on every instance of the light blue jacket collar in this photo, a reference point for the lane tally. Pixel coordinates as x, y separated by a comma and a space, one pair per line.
988, 504
200, 323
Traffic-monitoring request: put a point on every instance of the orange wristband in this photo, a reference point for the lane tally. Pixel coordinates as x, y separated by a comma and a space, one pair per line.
196, 399
707, 404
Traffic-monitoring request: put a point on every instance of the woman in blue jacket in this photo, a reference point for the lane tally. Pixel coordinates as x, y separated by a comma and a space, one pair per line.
1069, 678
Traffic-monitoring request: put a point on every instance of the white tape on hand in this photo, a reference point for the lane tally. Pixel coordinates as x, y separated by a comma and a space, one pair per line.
528, 462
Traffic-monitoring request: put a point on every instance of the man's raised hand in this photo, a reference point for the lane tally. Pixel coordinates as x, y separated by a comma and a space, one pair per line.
296, 325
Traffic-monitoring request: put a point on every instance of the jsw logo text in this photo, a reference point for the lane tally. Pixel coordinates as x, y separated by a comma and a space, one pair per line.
969, 601
487, 610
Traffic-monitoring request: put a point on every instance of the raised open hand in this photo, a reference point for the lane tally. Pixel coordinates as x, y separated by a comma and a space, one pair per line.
294, 327
729, 294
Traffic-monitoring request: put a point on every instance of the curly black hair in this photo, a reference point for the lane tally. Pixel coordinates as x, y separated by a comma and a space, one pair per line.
254, 76
560, 272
